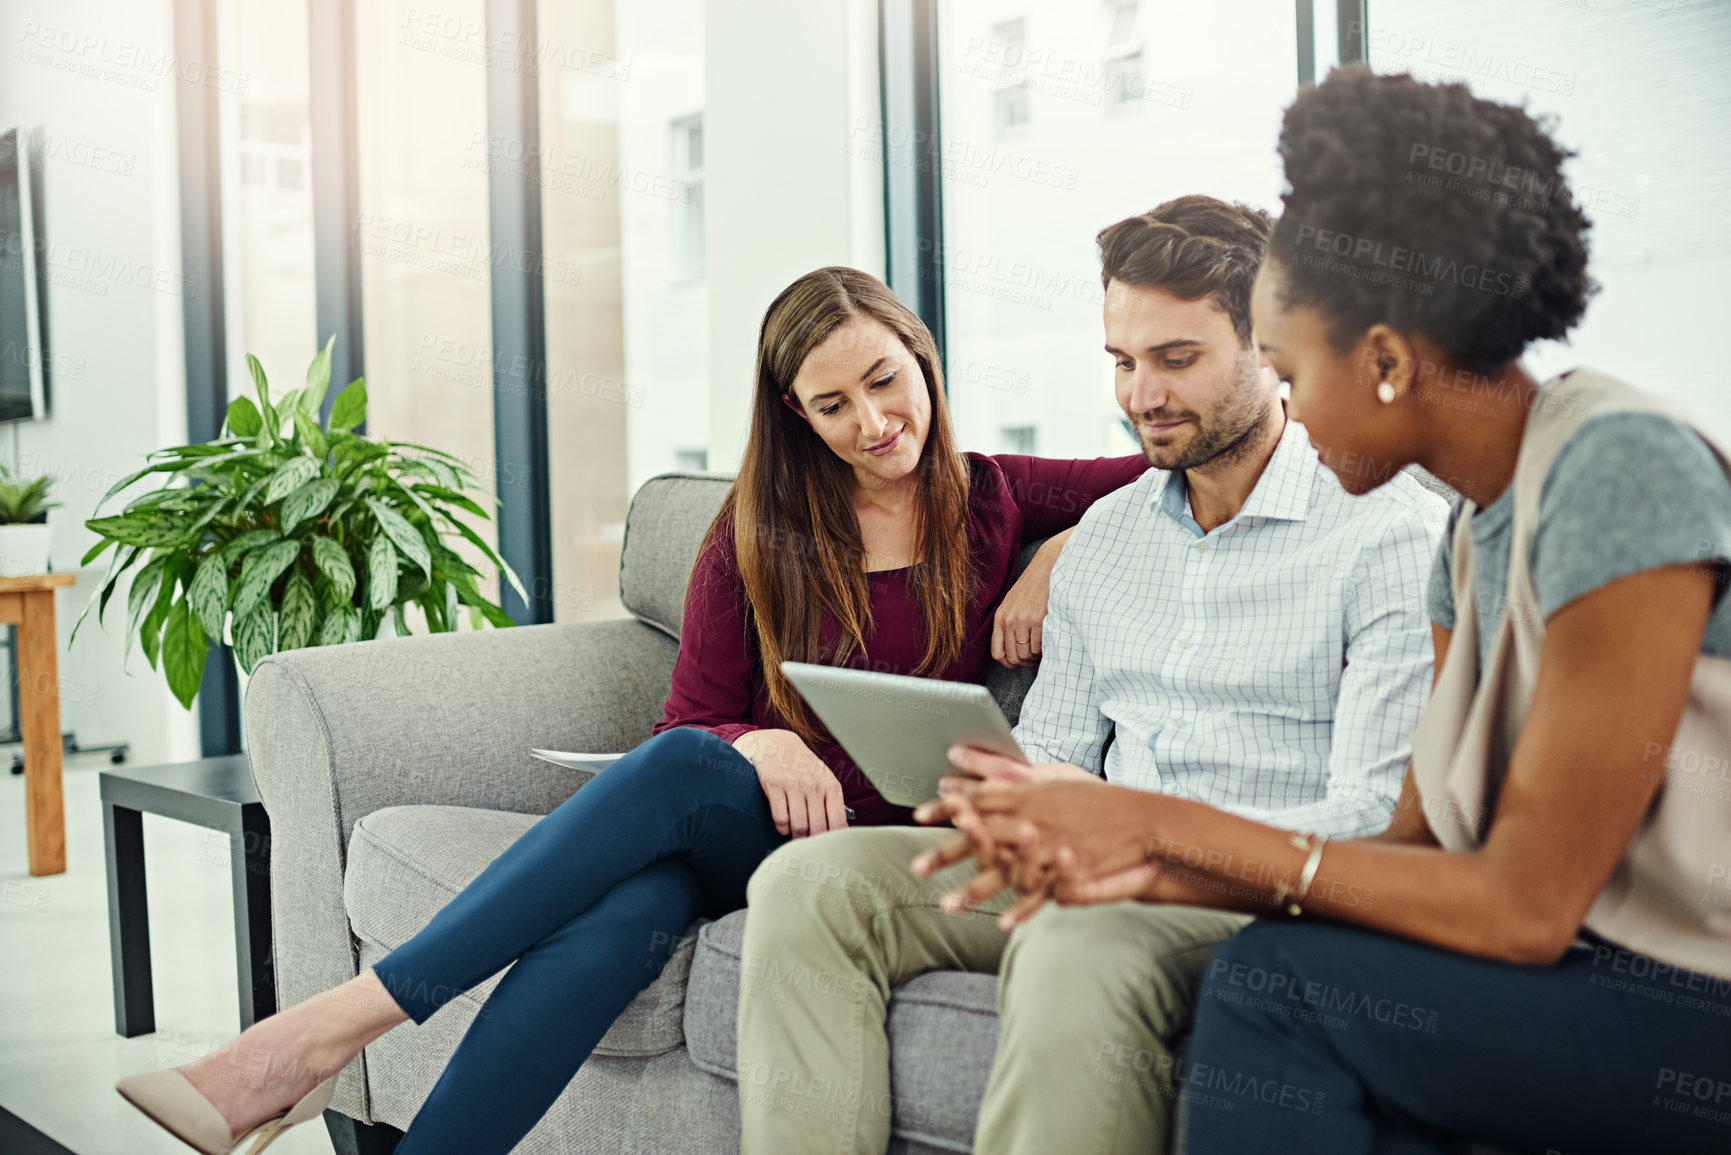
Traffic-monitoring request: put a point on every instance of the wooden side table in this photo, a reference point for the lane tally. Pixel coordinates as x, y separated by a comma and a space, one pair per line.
28, 603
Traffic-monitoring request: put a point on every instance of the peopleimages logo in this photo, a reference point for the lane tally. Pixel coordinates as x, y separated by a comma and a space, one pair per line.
467, 255
121, 61
93, 271
961, 159
1399, 259
1477, 168
1428, 59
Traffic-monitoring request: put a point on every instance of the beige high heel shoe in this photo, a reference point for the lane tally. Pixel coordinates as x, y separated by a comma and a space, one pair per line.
175, 1105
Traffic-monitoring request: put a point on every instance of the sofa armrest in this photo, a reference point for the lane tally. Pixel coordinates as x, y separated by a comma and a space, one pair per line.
334, 733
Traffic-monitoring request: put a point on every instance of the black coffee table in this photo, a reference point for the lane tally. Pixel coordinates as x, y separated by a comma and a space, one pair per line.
216, 793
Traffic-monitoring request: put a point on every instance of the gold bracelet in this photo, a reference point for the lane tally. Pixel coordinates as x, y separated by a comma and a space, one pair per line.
1281, 888
1308, 874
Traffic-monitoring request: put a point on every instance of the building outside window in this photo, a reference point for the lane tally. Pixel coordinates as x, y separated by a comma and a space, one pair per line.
1006, 50
1019, 439
688, 170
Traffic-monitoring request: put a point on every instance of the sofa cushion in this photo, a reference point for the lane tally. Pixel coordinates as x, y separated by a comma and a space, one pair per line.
943, 1030
1009, 686
407, 862
663, 529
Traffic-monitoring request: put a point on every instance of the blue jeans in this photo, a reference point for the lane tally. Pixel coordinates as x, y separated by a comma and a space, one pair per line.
1318, 1037
588, 905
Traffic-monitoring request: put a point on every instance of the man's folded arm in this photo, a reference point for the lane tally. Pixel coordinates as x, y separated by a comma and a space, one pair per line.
1061, 719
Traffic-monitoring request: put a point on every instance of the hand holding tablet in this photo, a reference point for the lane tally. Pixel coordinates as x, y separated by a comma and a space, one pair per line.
898, 729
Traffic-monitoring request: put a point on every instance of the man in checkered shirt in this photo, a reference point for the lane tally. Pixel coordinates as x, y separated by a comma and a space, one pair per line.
1232, 627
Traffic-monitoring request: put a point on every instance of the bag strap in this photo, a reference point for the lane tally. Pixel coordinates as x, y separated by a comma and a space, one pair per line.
1461, 565
1560, 408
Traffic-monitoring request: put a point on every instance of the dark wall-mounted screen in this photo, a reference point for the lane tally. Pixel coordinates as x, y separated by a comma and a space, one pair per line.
21, 361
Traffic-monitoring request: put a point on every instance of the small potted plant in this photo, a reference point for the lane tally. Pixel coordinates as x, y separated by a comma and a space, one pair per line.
284, 533
24, 531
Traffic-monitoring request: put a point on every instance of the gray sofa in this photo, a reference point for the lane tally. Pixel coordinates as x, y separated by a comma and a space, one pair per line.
395, 770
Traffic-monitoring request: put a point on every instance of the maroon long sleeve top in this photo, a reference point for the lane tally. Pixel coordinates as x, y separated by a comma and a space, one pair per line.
718, 682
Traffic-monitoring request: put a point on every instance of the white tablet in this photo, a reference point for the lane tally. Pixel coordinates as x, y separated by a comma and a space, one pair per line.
897, 729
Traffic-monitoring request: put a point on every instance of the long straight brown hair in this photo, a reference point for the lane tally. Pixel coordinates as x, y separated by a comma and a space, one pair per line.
795, 532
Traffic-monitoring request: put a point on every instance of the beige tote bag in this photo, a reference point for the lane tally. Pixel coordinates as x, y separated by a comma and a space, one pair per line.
1670, 896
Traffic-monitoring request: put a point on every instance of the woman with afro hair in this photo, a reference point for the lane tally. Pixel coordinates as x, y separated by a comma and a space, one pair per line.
1536, 954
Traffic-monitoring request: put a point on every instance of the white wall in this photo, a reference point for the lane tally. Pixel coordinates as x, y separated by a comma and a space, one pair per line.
791, 184
98, 77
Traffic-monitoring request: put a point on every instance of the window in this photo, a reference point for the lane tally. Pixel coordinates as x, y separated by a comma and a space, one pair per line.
274, 144
621, 153
1121, 27
662, 239
1650, 171
1007, 51
622, 176
1018, 439
1123, 58
622, 206
1022, 283
264, 143
1123, 80
1009, 108
688, 170
426, 263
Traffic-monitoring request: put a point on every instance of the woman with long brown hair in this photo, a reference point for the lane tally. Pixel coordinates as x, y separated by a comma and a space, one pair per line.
856, 534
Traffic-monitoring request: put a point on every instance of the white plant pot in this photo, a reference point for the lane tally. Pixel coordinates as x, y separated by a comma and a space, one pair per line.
24, 549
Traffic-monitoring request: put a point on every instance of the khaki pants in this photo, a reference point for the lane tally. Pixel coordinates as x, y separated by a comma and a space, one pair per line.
1088, 1000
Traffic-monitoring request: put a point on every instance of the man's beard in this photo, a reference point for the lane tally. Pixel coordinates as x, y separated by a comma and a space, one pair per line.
1227, 433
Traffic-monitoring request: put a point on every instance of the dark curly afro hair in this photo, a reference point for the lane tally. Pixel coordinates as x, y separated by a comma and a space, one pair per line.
1429, 209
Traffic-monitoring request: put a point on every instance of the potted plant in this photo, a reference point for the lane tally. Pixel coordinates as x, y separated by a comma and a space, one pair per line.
282, 534
24, 532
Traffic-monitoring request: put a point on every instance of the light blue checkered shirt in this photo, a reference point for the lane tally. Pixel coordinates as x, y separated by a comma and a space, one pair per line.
1274, 667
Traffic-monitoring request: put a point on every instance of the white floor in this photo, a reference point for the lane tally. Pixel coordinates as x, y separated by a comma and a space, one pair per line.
59, 1055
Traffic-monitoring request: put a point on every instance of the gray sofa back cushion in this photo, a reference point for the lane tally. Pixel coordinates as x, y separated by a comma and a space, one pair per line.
663, 529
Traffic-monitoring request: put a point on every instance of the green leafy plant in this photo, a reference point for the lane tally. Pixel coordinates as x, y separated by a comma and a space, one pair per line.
303, 535
21, 503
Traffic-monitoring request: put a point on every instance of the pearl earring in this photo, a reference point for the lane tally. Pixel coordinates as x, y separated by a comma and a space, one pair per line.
1384, 392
